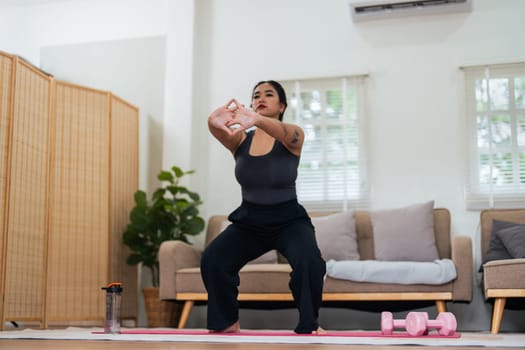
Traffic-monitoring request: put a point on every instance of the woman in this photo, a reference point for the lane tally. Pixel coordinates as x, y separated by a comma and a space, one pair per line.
269, 217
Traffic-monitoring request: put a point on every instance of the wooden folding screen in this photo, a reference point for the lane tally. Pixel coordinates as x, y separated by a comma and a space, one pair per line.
69, 168
25, 213
6, 93
79, 214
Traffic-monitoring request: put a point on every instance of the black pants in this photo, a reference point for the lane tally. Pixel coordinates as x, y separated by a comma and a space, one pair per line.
255, 230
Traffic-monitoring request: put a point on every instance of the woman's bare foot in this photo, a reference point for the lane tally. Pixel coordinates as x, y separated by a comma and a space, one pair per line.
234, 328
319, 330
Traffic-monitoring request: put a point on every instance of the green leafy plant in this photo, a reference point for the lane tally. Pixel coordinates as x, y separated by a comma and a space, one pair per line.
172, 214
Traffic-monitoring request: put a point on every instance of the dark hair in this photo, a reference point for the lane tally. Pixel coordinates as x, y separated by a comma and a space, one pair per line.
280, 92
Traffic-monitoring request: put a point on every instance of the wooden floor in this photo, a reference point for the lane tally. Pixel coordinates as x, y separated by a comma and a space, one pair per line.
18, 344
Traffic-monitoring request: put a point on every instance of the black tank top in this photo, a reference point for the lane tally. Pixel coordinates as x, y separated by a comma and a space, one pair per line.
269, 178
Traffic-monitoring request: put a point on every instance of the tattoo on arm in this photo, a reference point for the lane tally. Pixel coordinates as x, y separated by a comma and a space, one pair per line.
295, 137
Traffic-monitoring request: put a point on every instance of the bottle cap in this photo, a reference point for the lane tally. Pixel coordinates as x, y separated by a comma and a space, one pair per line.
114, 287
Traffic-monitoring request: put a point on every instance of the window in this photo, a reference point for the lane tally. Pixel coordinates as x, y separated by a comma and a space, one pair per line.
496, 123
332, 171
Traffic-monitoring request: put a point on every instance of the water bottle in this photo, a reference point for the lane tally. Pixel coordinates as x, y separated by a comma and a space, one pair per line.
113, 298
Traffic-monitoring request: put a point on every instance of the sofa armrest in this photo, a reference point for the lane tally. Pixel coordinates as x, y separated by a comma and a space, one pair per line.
463, 260
173, 256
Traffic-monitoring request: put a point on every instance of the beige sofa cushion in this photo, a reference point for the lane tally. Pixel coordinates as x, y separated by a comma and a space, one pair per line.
336, 236
254, 278
405, 234
505, 274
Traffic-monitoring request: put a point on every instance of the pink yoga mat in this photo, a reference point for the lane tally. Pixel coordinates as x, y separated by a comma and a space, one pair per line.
273, 333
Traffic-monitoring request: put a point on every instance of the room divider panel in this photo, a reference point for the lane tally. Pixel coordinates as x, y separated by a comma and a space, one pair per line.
6, 76
25, 165
79, 209
68, 171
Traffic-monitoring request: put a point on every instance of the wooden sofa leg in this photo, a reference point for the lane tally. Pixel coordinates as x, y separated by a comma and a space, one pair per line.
441, 306
497, 314
185, 314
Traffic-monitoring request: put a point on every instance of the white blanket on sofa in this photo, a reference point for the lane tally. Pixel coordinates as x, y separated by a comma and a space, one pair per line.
398, 272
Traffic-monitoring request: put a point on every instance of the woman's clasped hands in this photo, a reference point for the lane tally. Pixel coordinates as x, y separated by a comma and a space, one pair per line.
233, 117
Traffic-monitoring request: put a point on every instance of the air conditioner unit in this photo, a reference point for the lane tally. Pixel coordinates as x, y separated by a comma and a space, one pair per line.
363, 10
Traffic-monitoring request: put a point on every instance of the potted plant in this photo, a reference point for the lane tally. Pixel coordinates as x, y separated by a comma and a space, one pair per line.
172, 214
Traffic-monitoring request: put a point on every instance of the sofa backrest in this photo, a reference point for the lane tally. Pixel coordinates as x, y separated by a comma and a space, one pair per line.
486, 218
365, 237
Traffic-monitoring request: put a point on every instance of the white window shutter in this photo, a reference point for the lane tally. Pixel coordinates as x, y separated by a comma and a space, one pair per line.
495, 108
331, 111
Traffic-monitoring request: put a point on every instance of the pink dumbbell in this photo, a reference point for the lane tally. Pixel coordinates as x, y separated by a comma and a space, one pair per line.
445, 323
417, 323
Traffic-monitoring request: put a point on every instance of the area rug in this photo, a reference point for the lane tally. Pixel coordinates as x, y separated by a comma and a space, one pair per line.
268, 336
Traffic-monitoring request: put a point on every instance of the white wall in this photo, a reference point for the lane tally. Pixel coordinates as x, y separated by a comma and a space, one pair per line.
25, 29
217, 49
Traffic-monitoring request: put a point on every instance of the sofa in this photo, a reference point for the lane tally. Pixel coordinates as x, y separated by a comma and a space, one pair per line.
354, 233
503, 259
